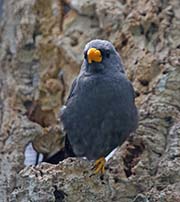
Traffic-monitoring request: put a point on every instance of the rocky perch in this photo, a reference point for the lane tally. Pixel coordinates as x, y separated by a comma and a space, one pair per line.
41, 44
70, 180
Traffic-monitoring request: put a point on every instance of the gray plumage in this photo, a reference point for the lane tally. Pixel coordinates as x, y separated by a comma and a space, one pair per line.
100, 112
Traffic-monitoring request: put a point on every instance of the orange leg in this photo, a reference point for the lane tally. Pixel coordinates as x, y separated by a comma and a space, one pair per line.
99, 165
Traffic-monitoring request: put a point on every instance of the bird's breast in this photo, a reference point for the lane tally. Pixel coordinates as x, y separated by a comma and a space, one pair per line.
98, 85
95, 95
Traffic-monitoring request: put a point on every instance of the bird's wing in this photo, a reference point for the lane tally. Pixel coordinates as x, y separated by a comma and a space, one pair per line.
132, 91
71, 90
68, 151
73, 86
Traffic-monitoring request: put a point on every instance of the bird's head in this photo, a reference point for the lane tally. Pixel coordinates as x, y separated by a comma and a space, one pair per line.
101, 56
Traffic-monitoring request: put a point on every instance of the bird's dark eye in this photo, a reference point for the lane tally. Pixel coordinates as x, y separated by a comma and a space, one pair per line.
85, 54
107, 53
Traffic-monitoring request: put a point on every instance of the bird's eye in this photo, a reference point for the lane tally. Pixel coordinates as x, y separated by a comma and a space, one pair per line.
85, 54
107, 53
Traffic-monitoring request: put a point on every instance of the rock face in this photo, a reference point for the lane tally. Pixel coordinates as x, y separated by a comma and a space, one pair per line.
71, 180
41, 52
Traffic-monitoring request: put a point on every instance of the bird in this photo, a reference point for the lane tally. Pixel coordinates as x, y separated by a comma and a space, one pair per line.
100, 112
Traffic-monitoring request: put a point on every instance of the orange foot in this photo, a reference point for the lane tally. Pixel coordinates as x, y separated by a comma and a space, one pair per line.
99, 165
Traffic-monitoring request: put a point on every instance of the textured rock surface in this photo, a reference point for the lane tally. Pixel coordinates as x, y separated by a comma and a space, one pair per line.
41, 52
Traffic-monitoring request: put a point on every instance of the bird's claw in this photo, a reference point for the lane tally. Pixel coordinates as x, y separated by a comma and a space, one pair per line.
99, 166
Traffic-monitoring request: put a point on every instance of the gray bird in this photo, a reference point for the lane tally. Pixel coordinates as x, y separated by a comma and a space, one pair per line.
100, 112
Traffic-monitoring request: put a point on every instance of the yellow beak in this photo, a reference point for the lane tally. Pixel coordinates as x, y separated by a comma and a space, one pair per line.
94, 55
